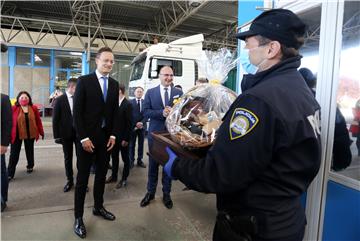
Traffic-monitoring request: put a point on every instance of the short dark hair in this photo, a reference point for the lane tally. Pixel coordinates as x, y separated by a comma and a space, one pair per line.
178, 86
72, 81
103, 49
18, 96
309, 77
122, 88
139, 87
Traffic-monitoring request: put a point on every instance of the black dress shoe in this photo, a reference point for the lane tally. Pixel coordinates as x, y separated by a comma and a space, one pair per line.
103, 213
68, 186
167, 201
122, 183
146, 200
141, 164
79, 228
110, 180
29, 170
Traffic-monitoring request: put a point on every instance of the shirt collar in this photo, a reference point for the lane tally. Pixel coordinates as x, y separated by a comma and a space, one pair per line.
68, 94
98, 75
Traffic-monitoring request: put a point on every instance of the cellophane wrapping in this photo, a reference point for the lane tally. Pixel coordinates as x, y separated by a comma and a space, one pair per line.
197, 115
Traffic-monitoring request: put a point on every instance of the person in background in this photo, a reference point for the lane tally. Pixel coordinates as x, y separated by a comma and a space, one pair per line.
355, 125
138, 126
179, 87
57, 92
341, 148
27, 127
6, 124
267, 150
122, 140
96, 101
201, 80
157, 106
64, 131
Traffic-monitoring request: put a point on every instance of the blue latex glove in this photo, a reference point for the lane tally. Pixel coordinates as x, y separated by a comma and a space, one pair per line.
170, 162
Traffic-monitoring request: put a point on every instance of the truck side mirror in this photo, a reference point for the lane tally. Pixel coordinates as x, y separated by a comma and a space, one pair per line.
154, 65
153, 74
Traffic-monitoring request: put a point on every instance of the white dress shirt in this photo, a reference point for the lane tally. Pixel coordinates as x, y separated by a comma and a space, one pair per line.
101, 81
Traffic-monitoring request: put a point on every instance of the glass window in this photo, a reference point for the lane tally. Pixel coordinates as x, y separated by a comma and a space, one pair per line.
71, 60
4, 58
175, 64
23, 56
346, 147
42, 57
61, 79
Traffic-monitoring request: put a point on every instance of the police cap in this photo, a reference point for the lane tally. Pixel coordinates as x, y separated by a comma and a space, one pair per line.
277, 24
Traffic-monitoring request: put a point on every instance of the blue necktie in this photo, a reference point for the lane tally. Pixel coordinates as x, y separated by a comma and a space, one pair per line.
166, 97
104, 87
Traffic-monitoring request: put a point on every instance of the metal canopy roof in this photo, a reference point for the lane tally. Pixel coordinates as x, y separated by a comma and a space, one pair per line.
139, 21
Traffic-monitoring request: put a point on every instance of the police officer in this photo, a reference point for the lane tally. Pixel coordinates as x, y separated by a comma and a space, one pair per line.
268, 149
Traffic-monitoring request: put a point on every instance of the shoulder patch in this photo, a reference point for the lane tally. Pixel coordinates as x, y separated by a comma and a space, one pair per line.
241, 123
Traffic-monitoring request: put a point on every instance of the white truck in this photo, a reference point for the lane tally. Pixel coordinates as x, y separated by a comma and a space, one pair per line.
181, 54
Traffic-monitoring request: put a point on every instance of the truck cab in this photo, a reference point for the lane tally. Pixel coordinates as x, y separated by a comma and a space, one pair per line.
180, 54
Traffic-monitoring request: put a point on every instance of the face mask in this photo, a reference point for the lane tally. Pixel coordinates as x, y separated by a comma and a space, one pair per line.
24, 102
245, 62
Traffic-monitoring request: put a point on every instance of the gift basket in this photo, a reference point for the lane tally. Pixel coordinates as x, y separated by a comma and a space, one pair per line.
197, 115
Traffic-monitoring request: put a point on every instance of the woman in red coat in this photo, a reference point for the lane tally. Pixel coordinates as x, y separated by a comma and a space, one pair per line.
26, 126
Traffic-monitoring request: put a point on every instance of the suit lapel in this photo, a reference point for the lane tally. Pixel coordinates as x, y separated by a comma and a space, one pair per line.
97, 86
67, 104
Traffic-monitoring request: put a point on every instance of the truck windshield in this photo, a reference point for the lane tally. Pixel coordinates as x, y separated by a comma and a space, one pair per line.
138, 65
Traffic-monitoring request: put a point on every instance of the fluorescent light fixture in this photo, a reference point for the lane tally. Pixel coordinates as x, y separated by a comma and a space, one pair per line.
76, 53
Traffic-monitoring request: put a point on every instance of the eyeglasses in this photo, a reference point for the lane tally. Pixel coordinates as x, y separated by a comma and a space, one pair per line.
167, 75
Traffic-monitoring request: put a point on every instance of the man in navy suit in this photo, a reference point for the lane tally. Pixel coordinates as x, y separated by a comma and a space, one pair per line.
157, 107
138, 127
95, 106
64, 131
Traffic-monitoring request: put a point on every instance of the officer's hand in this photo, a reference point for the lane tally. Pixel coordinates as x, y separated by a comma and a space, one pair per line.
170, 162
58, 141
88, 146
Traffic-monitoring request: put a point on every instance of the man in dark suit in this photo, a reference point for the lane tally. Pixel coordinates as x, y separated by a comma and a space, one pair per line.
138, 127
64, 131
122, 140
6, 124
157, 106
95, 105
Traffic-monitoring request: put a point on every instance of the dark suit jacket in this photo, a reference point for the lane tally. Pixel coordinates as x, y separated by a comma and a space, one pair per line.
62, 119
124, 119
90, 108
6, 120
153, 108
137, 116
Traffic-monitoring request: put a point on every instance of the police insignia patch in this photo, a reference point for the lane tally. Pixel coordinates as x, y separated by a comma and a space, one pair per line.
242, 122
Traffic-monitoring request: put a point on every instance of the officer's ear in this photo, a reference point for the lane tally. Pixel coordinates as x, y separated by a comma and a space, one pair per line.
274, 49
